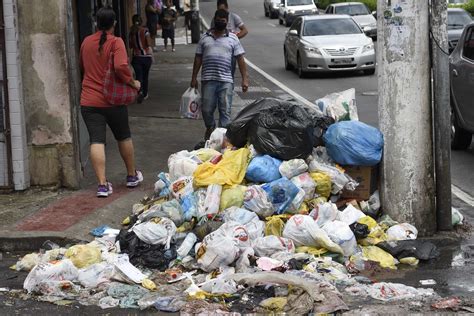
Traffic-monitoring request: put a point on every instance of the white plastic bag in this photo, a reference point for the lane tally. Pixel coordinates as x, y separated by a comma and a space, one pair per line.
339, 179
171, 210
341, 106
256, 200
217, 139
269, 245
191, 104
200, 196
157, 231
341, 234
350, 215
95, 274
293, 168
213, 199
182, 164
222, 247
305, 182
254, 226
63, 270
182, 187
323, 213
296, 203
304, 231
403, 231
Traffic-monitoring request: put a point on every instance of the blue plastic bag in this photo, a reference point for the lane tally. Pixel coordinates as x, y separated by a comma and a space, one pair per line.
263, 169
189, 206
354, 143
281, 193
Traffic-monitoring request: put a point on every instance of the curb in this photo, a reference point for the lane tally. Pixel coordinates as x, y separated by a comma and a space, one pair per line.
33, 243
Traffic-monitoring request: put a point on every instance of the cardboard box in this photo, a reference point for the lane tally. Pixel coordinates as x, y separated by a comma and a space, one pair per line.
367, 177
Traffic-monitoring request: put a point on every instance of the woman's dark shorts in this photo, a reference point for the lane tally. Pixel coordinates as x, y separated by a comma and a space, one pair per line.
97, 119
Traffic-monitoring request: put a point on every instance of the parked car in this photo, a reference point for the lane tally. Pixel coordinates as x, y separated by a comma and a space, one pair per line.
359, 12
328, 43
291, 9
461, 64
457, 19
271, 8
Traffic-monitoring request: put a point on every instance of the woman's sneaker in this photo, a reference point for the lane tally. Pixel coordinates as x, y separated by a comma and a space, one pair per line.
134, 181
104, 190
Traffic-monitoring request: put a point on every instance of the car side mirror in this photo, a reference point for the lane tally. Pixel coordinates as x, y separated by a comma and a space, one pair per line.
293, 32
374, 14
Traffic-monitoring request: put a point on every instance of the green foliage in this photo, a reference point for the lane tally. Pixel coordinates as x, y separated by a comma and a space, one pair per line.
469, 7
371, 4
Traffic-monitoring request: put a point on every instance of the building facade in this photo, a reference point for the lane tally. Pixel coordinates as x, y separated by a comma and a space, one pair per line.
43, 141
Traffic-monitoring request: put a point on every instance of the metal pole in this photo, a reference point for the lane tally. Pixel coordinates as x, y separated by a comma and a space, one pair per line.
441, 112
407, 179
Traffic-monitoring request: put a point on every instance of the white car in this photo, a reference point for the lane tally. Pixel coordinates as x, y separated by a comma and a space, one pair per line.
271, 8
359, 12
291, 9
328, 43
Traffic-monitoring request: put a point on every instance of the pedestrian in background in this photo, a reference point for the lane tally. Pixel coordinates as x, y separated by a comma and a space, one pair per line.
235, 24
168, 19
142, 54
95, 54
152, 12
215, 52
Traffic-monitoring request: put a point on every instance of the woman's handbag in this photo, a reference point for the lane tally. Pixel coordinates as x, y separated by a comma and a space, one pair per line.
117, 92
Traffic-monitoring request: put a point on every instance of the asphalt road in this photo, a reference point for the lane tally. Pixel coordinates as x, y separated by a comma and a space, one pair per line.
264, 48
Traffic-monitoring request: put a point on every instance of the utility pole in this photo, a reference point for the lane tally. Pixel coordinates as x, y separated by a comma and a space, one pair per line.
441, 112
405, 116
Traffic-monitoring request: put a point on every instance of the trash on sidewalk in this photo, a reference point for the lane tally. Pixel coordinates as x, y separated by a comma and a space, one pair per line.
341, 106
447, 303
258, 221
458, 218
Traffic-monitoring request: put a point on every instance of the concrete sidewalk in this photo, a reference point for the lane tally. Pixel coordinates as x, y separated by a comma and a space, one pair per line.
29, 218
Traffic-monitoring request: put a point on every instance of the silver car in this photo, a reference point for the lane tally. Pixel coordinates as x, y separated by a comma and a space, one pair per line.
328, 43
461, 64
359, 12
271, 8
457, 19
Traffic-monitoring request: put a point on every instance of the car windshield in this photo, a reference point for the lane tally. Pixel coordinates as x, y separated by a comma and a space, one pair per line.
458, 19
299, 2
330, 27
352, 9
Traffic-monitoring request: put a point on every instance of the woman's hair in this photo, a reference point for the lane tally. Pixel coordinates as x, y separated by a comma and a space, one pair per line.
137, 22
222, 2
105, 21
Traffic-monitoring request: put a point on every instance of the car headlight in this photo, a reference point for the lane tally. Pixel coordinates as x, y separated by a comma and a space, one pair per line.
313, 50
291, 11
368, 48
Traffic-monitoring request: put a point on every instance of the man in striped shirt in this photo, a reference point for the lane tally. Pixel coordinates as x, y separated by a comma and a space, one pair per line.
214, 54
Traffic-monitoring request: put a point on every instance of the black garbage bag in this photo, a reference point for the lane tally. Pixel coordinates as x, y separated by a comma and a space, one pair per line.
237, 130
423, 250
360, 231
321, 125
284, 132
143, 254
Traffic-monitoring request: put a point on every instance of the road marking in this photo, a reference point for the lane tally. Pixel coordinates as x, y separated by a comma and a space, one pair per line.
271, 24
463, 196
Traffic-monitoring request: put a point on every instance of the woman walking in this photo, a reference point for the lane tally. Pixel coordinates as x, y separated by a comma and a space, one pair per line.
141, 44
96, 51
152, 12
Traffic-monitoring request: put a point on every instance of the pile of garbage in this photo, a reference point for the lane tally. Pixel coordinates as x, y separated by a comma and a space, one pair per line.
257, 221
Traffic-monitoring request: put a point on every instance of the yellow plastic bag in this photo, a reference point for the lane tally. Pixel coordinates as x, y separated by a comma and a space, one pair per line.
374, 253
274, 304
311, 250
323, 183
233, 196
206, 154
369, 221
229, 171
83, 256
149, 284
412, 261
304, 209
375, 236
274, 225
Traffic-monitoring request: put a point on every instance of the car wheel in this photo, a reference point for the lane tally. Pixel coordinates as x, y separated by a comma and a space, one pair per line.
280, 21
299, 69
266, 11
287, 63
460, 138
273, 15
287, 23
369, 72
